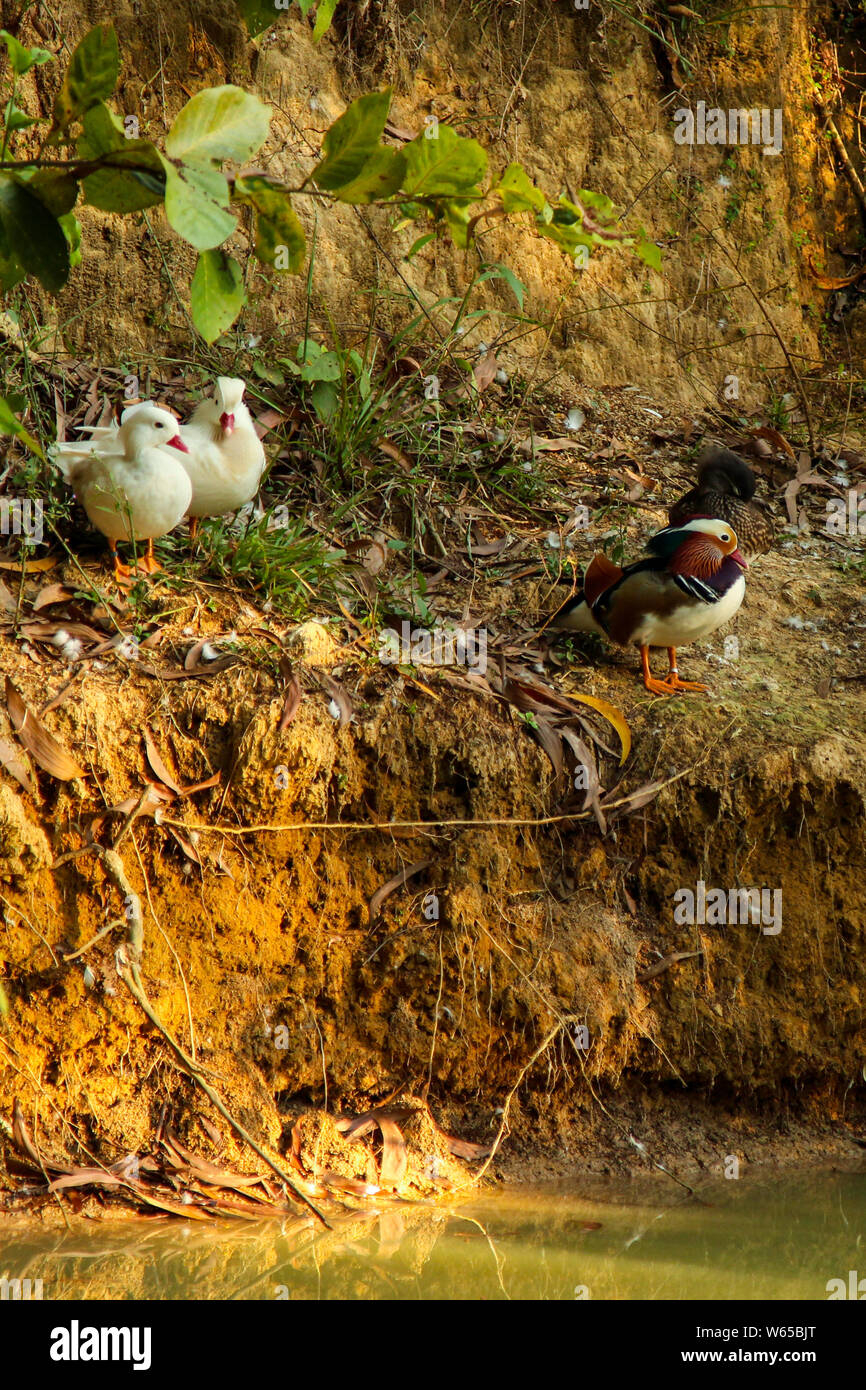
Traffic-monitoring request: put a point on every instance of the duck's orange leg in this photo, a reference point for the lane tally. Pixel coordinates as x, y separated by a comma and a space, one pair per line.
149, 564
121, 571
672, 683
193, 527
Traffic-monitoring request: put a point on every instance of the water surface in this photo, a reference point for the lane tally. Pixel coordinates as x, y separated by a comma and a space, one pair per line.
775, 1236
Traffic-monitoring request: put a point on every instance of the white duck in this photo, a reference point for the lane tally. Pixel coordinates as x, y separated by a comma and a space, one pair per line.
225, 458
130, 480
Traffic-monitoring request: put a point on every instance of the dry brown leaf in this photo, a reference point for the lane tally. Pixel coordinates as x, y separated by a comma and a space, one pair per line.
187, 846
21, 1136
485, 371
10, 759
52, 593
375, 557
43, 632
664, 964
328, 1178
538, 444
464, 1148
386, 889
7, 600
544, 733
205, 1171
638, 798
87, 1177
50, 755
395, 1159
156, 764
775, 437
361, 1125
193, 664
393, 451
340, 698
266, 421
805, 475
202, 786
291, 704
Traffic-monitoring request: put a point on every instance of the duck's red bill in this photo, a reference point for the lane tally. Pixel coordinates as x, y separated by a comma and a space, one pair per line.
177, 443
740, 560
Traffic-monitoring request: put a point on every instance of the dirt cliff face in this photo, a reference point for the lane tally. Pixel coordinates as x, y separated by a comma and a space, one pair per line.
262, 935
262, 952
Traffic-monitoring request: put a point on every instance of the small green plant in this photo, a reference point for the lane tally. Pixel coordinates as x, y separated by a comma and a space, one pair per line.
275, 557
733, 208
260, 15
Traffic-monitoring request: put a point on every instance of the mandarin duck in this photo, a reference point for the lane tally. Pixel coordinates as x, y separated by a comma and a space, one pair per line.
726, 486
130, 480
225, 458
689, 584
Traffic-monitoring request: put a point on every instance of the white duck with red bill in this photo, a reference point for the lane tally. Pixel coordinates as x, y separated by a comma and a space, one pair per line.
130, 480
225, 458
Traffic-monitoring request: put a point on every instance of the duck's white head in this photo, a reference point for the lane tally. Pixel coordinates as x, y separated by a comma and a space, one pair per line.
147, 426
229, 396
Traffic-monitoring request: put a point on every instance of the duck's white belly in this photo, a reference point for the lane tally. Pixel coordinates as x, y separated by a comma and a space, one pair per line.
223, 476
691, 622
136, 501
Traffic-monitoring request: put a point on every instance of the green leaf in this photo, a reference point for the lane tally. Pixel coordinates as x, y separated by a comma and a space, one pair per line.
444, 164
266, 372
196, 199
217, 294
219, 123
457, 220
519, 194
259, 14
55, 189
309, 350
16, 119
133, 177
417, 245
324, 15
382, 175
600, 203
12, 271
10, 424
648, 251
91, 76
326, 367
102, 132
280, 239
118, 188
72, 231
22, 59
33, 235
324, 397
498, 271
351, 141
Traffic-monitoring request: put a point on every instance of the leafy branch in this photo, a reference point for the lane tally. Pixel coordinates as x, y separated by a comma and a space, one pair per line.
439, 178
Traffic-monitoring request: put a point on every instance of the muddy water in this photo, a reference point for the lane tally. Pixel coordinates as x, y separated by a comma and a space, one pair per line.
771, 1238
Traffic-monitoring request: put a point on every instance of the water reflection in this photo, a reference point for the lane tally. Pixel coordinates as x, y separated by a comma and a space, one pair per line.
768, 1238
